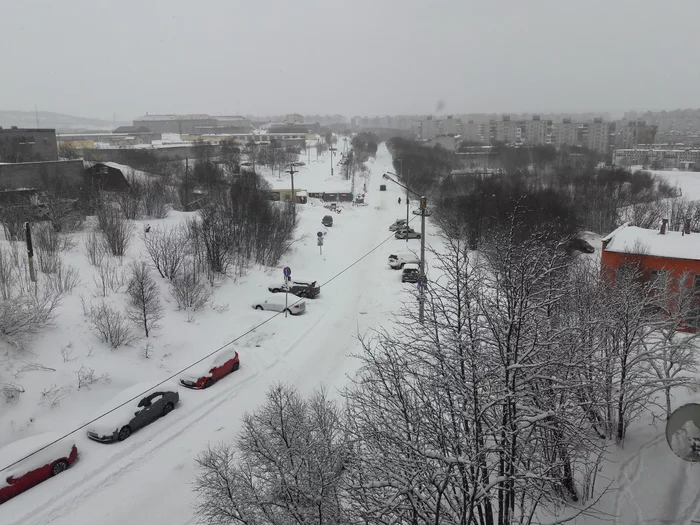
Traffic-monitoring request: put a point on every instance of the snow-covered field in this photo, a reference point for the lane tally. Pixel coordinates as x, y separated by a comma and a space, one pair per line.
146, 479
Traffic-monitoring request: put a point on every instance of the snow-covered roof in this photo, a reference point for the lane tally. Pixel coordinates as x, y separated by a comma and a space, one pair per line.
635, 240
156, 118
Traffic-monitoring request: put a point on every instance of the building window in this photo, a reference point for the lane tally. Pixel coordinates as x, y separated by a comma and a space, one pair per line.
696, 283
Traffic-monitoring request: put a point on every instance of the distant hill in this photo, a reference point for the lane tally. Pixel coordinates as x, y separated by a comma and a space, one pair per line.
62, 123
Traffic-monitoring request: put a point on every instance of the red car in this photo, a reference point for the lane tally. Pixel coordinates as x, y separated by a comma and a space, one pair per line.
208, 373
29, 470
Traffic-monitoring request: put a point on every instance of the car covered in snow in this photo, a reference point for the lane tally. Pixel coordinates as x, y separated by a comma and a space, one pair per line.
210, 371
131, 410
33, 460
327, 220
398, 224
277, 305
407, 232
399, 259
300, 288
410, 273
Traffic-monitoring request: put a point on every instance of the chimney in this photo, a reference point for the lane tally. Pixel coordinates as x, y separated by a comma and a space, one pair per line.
664, 222
686, 226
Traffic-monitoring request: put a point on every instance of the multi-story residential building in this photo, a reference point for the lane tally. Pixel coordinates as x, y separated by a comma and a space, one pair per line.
636, 132
506, 130
538, 131
598, 136
566, 133
449, 126
27, 144
294, 118
428, 128
470, 131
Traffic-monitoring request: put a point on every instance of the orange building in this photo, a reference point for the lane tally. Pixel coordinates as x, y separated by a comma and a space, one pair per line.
654, 254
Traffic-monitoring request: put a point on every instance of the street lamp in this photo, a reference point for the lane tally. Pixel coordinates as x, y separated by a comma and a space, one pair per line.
423, 212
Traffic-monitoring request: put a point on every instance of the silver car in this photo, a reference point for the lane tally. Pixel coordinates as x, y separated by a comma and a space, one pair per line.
275, 305
410, 233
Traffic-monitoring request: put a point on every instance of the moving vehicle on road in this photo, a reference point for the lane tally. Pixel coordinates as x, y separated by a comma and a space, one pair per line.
404, 233
410, 273
275, 305
398, 225
327, 221
305, 289
30, 470
209, 372
132, 410
399, 259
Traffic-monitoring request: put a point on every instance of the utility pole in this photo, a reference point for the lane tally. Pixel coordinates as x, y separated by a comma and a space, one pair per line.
30, 251
186, 197
332, 150
421, 278
423, 211
294, 202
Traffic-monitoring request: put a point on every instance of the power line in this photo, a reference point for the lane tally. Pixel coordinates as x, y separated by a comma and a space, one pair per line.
171, 377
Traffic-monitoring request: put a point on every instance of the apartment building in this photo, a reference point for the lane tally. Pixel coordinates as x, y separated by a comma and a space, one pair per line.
428, 128
538, 131
566, 133
598, 136
449, 126
630, 134
506, 130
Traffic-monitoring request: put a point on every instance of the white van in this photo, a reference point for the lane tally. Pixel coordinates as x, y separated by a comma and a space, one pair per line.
397, 261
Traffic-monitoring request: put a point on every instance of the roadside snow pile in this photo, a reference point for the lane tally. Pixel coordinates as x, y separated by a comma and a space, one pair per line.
23, 447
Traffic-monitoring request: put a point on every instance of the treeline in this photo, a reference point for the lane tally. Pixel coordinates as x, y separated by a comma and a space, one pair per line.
423, 166
499, 409
563, 203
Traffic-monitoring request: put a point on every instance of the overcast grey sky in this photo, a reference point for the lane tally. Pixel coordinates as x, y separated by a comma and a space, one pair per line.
355, 57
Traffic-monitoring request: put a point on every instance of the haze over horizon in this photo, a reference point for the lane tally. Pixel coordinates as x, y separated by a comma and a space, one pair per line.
359, 58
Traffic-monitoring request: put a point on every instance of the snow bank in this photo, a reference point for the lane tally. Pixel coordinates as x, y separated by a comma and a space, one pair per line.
19, 449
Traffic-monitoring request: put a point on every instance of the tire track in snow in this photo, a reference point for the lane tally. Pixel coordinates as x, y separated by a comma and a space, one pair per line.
96, 479
627, 475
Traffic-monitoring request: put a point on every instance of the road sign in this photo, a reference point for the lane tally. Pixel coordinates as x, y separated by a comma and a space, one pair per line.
319, 234
287, 271
320, 241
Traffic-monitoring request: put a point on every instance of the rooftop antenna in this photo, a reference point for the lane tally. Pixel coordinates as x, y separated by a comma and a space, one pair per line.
36, 113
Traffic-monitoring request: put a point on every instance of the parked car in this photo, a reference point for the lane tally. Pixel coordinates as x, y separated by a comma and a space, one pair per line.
410, 233
129, 414
410, 273
209, 372
382, 187
327, 220
276, 305
580, 245
34, 463
398, 260
305, 289
398, 224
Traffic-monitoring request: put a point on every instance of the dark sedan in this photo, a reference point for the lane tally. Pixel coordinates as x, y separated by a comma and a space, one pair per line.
132, 410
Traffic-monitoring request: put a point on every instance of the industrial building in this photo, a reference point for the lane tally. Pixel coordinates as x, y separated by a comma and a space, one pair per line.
27, 144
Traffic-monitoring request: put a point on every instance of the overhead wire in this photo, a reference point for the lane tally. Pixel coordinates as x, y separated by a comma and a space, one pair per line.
179, 372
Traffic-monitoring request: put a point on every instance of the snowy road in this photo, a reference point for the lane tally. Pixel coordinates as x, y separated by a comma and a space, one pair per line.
146, 479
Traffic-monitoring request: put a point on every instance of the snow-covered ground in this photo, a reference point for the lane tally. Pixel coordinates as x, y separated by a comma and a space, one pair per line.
146, 479
687, 181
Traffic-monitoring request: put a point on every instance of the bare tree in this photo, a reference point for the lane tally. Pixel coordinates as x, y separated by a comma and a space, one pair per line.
286, 466
155, 199
109, 324
130, 201
94, 248
117, 232
110, 278
144, 307
189, 289
167, 248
